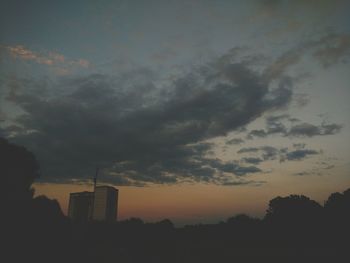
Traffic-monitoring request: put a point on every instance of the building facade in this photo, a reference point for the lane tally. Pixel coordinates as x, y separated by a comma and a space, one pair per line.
80, 206
105, 204
101, 205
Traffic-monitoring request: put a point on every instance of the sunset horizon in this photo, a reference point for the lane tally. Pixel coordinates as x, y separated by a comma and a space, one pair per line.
187, 131
196, 111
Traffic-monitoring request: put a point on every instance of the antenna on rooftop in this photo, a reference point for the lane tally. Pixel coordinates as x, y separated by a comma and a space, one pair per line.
95, 178
93, 198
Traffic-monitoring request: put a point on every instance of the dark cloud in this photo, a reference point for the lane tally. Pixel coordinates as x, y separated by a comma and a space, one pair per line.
244, 182
332, 128
302, 99
248, 150
256, 133
231, 167
305, 129
329, 49
294, 120
300, 154
313, 171
252, 160
299, 145
266, 153
276, 125
321, 168
337, 49
310, 130
235, 141
304, 173
138, 131
328, 167
271, 153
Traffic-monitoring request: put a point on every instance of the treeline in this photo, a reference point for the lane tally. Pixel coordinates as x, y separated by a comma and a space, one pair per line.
294, 229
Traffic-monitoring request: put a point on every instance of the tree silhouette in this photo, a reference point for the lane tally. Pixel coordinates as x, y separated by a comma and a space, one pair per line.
337, 207
18, 169
46, 210
294, 209
295, 229
241, 219
35, 227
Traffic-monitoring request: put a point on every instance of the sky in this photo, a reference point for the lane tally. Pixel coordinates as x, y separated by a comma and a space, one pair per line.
195, 110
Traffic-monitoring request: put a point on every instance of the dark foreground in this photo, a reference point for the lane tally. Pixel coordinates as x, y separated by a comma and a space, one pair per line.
294, 229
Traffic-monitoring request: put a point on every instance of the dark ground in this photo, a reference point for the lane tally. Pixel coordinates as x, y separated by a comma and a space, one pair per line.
294, 229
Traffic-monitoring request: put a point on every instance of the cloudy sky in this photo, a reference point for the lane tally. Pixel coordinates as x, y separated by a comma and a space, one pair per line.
195, 110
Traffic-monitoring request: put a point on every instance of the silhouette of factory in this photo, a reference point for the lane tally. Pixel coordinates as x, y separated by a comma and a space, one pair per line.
99, 205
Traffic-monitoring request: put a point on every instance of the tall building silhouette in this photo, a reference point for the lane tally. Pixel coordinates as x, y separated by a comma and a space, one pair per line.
100, 205
105, 205
80, 206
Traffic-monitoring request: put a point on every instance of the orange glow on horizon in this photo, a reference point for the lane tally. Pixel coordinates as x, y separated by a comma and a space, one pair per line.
198, 203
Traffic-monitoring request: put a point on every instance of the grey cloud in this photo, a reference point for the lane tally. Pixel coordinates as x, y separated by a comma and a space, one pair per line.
274, 125
300, 154
267, 153
235, 141
331, 166
252, 160
325, 165
276, 118
240, 170
328, 50
310, 130
256, 133
276, 69
244, 182
338, 47
304, 129
318, 170
299, 145
271, 153
248, 150
232, 167
304, 173
301, 99
293, 120
308, 173
140, 132
331, 128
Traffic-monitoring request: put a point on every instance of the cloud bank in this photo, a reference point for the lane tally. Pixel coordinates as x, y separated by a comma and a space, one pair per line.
277, 125
141, 132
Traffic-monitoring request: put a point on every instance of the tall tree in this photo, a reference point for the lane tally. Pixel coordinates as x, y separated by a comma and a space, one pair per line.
18, 170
